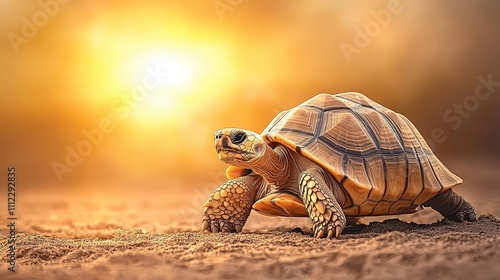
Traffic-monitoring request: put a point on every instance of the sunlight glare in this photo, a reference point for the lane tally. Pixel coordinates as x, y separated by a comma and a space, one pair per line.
179, 68
193, 71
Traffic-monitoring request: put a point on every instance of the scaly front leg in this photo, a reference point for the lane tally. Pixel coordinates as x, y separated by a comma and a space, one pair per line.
324, 210
228, 207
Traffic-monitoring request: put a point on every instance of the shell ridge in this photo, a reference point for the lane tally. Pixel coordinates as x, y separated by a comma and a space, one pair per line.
365, 164
272, 125
319, 125
366, 126
427, 157
422, 174
297, 131
369, 129
354, 101
397, 132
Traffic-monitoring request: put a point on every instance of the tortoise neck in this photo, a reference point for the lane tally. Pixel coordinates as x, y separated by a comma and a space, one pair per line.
273, 165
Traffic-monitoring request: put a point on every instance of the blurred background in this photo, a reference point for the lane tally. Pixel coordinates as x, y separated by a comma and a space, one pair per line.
81, 125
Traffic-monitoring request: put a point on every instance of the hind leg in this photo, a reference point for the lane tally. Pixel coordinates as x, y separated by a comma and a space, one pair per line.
452, 206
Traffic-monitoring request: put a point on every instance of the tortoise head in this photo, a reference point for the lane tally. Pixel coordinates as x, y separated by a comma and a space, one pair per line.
238, 146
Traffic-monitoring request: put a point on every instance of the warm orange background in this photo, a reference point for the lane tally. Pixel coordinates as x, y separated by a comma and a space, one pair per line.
262, 57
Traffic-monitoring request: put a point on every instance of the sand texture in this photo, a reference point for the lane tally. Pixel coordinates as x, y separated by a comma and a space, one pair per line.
383, 250
100, 236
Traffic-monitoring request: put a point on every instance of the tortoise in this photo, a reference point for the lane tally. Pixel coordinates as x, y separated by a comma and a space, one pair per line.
331, 157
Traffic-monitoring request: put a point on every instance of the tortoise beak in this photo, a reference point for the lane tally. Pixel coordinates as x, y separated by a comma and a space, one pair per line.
223, 146
222, 142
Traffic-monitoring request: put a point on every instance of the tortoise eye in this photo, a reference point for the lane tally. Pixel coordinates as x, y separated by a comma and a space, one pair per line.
239, 138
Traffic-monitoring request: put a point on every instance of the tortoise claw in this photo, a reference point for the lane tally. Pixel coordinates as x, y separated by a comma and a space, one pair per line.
204, 226
472, 216
238, 228
215, 229
206, 204
466, 213
338, 230
227, 208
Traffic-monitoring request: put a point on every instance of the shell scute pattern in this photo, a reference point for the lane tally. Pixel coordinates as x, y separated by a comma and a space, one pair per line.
376, 154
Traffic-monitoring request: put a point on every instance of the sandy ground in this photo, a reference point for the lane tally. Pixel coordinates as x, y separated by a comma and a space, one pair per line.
65, 236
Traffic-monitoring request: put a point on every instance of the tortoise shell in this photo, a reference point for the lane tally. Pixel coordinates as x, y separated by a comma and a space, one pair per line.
375, 154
